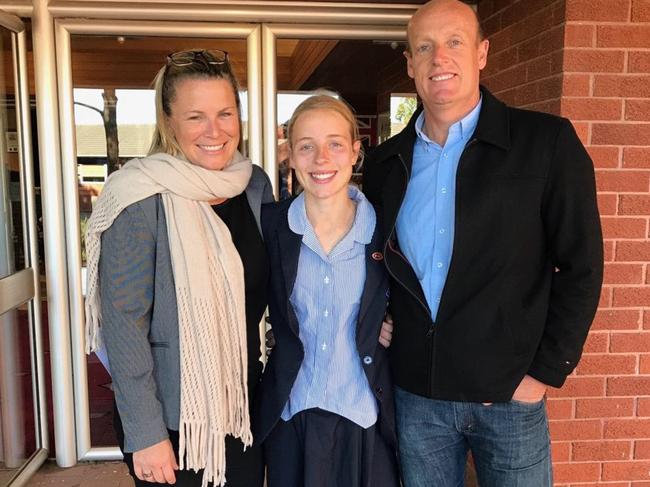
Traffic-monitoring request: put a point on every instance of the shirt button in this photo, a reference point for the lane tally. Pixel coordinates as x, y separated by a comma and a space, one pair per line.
324, 346
326, 280
439, 264
442, 230
443, 190
367, 360
326, 313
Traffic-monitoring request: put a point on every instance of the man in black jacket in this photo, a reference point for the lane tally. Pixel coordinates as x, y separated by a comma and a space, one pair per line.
494, 247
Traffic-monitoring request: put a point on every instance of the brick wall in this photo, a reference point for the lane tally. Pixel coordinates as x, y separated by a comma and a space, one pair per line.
589, 60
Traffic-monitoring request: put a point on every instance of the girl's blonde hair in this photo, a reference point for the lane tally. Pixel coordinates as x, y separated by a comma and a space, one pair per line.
326, 101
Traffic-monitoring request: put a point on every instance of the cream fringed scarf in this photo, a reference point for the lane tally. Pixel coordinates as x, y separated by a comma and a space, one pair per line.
209, 281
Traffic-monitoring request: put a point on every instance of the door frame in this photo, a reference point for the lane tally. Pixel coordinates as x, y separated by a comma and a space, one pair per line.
260, 22
23, 286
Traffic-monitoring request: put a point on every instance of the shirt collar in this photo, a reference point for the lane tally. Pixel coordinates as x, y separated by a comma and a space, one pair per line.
362, 227
463, 129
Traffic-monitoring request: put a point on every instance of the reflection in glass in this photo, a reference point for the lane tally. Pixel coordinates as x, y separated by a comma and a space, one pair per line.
12, 250
115, 118
17, 427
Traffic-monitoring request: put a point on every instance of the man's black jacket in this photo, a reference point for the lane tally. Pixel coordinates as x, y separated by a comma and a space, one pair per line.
527, 262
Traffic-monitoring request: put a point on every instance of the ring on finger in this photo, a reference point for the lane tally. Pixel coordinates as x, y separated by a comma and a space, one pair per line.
147, 475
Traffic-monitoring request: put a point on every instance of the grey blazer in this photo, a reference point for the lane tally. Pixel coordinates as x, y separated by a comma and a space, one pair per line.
139, 316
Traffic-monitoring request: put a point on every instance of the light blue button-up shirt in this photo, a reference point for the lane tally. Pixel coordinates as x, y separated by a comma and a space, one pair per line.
326, 298
425, 223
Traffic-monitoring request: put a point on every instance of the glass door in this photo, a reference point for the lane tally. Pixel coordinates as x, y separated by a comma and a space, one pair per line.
23, 424
107, 117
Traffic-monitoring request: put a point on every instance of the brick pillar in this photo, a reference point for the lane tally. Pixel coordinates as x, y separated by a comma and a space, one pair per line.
589, 61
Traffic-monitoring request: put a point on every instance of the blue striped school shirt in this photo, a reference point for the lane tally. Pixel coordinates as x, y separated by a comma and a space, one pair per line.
326, 298
425, 223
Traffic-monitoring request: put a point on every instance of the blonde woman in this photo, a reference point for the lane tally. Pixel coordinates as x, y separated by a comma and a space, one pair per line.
176, 255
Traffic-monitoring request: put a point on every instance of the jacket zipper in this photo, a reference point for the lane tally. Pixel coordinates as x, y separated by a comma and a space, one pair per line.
431, 330
390, 236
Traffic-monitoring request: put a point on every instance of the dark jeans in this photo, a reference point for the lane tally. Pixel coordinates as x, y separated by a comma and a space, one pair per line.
243, 468
509, 442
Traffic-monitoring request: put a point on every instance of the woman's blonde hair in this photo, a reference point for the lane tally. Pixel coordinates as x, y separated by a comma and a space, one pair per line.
326, 100
202, 67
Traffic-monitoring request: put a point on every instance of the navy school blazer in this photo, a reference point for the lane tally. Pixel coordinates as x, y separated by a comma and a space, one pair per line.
282, 368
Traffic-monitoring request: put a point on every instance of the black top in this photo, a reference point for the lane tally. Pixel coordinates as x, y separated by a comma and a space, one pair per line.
238, 217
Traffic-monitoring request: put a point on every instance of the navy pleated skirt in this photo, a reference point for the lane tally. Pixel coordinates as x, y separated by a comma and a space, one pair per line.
317, 448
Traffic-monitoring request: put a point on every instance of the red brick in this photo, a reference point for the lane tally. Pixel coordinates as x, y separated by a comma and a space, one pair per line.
638, 62
559, 408
634, 204
550, 106
593, 61
616, 273
596, 342
607, 10
623, 181
643, 406
575, 472
644, 364
640, 10
491, 25
579, 35
548, 88
501, 61
576, 84
637, 110
622, 85
604, 156
628, 386
646, 319
608, 251
629, 35
626, 297
642, 450
617, 319
617, 227
516, 11
560, 451
647, 276
626, 471
509, 78
540, 68
621, 342
607, 204
584, 451
609, 407
605, 300
633, 251
627, 428
592, 108
584, 429
538, 22
636, 157
607, 364
580, 387
582, 129
620, 133
598, 484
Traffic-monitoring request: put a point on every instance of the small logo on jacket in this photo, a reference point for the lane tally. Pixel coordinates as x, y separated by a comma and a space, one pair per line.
378, 256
